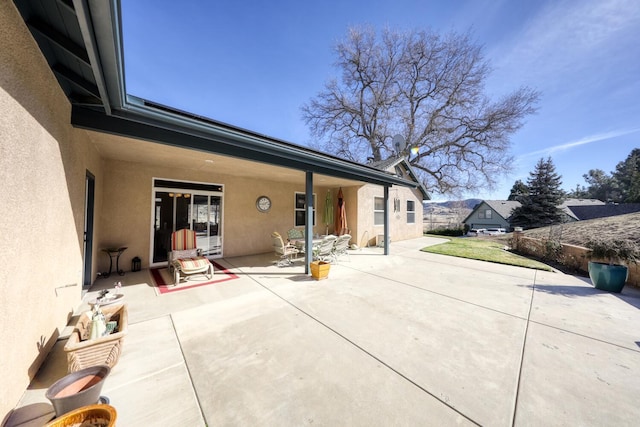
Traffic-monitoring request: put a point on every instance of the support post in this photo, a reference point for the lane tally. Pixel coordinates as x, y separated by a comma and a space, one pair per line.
386, 220
308, 226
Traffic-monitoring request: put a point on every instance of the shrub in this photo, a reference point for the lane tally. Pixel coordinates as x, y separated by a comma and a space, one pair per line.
613, 249
552, 250
453, 232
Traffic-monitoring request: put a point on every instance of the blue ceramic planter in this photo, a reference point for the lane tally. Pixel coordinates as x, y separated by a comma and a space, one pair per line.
606, 277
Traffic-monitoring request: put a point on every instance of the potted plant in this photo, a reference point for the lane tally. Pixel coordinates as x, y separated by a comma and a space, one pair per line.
320, 269
611, 275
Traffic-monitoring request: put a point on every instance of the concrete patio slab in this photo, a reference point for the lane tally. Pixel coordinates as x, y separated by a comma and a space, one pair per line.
260, 361
407, 339
570, 379
434, 341
576, 306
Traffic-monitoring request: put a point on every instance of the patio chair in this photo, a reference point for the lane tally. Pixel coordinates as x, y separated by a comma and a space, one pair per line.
295, 234
296, 237
285, 252
324, 250
184, 258
341, 247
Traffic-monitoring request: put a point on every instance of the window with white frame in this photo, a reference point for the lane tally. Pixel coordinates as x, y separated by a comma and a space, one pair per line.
378, 211
411, 212
485, 214
300, 207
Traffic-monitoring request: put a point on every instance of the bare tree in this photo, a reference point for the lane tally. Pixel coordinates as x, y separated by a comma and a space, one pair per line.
429, 89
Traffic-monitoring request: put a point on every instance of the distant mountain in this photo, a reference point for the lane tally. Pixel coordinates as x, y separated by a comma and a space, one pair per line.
467, 203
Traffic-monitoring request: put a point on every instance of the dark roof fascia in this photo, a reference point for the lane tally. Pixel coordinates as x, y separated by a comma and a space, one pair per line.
414, 176
129, 116
161, 127
100, 24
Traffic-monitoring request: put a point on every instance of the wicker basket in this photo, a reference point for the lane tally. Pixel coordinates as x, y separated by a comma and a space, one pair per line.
83, 353
87, 416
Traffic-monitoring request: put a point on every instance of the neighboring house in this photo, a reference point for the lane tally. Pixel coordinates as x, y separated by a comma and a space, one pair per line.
604, 210
497, 213
86, 166
570, 207
491, 214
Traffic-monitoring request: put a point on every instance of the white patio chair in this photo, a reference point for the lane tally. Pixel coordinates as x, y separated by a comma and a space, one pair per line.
324, 250
340, 247
285, 252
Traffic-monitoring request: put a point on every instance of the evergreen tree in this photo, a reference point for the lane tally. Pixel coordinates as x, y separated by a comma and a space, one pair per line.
602, 186
518, 191
627, 175
540, 207
580, 192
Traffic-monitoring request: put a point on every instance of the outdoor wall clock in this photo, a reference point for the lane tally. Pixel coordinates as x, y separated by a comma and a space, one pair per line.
263, 203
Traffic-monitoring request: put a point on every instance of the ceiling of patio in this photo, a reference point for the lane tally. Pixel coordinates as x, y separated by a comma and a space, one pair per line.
139, 151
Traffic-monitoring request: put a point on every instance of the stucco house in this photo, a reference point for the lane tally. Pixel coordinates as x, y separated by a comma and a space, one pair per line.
87, 167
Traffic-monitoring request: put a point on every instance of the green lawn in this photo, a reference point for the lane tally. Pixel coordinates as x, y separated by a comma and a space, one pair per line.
483, 250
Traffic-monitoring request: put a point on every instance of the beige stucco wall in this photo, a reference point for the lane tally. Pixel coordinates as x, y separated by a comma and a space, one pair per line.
126, 212
43, 162
399, 229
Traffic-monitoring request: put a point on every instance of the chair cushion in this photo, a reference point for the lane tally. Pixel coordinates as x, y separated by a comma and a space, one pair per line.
183, 239
187, 253
194, 263
294, 234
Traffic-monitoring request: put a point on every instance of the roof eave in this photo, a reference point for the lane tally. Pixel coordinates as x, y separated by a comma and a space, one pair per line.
127, 116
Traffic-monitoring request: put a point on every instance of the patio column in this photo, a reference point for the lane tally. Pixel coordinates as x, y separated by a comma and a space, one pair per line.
386, 220
308, 226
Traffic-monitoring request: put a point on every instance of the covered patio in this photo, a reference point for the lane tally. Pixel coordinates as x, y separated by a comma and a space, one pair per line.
90, 170
406, 339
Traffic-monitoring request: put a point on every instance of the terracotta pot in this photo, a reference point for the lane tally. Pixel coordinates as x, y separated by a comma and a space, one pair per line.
80, 388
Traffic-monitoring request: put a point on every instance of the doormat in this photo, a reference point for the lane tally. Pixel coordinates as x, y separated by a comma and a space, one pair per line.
163, 279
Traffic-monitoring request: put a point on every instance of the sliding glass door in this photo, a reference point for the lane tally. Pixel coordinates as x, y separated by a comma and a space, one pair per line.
206, 222
187, 205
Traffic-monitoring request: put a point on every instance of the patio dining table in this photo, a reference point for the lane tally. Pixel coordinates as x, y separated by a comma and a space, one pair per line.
300, 243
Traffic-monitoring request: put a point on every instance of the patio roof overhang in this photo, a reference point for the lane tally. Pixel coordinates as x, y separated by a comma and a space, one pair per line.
82, 42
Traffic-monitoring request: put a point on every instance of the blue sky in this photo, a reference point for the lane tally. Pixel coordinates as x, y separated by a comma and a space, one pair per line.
254, 65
